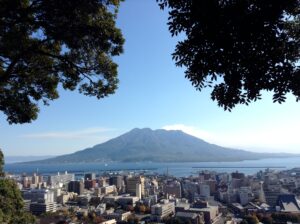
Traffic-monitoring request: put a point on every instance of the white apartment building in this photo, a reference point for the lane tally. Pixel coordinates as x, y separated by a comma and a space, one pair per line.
163, 209
58, 179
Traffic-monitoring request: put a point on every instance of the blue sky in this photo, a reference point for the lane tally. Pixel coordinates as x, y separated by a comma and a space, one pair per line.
152, 93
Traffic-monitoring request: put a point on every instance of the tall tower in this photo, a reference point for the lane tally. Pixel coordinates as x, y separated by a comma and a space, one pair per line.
138, 190
131, 184
262, 197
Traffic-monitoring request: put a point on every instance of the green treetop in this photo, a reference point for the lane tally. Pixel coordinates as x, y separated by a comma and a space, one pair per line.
47, 43
238, 48
1, 164
11, 201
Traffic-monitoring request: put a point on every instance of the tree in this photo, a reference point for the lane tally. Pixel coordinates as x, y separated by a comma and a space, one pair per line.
1, 164
132, 219
267, 220
142, 209
251, 219
259, 216
285, 217
11, 202
44, 44
130, 208
243, 222
238, 48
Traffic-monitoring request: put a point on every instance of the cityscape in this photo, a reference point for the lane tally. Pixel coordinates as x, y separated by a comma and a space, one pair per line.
208, 197
149, 111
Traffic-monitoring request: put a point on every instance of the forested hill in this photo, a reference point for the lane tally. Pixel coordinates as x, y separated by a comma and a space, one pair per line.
158, 146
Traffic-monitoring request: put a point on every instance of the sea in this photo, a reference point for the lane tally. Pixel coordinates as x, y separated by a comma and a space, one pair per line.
182, 169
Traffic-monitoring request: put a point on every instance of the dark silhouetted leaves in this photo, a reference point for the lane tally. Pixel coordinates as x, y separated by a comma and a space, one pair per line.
47, 43
244, 46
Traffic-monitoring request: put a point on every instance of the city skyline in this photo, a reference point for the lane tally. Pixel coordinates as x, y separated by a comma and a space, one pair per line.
152, 93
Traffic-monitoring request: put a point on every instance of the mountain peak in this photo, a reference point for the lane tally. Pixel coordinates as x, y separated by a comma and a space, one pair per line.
152, 130
140, 129
145, 144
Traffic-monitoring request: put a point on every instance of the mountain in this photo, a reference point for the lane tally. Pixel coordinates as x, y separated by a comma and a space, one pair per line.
20, 159
158, 146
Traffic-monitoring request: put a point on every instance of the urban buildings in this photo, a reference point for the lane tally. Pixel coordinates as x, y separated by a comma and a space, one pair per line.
65, 178
206, 198
162, 210
76, 187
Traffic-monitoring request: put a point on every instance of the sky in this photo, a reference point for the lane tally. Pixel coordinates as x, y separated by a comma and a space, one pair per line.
152, 93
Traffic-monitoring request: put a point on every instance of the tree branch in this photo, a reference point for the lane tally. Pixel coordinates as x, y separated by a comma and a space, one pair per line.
78, 68
5, 76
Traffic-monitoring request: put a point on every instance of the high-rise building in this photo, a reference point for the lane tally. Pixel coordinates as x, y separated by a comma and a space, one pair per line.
108, 189
238, 175
64, 179
204, 190
88, 184
26, 181
272, 196
76, 187
35, 179
272, 190
35, 195
236, 183
102, 182
132, 182
138, 191
163, 209
212, 185
118, 181
190, 189
245, 195
89, 176
262, 197
173, 188
38, 208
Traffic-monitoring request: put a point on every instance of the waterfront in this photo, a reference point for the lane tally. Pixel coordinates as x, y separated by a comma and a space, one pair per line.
176, 169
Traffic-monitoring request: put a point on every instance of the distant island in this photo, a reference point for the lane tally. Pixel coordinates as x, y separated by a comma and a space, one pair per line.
140, 145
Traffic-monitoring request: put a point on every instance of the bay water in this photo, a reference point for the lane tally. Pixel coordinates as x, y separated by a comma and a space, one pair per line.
176, 169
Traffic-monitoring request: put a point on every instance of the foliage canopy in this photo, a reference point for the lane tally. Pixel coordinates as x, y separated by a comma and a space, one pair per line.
11, 201
47, 43
1, 164
238, 48
11, 204
251, 219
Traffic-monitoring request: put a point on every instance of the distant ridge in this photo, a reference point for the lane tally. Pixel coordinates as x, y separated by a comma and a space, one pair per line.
20, 159
158, 146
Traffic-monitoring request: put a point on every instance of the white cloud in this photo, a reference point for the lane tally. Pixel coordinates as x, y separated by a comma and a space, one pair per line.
78, 134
